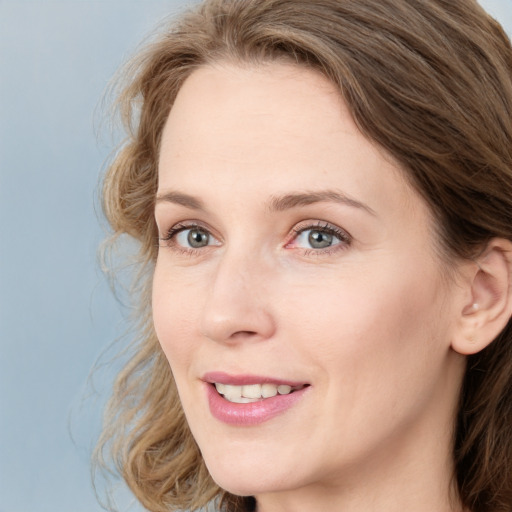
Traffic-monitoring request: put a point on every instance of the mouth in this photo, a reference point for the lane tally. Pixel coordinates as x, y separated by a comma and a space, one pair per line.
248, 400
245, 400
249, 393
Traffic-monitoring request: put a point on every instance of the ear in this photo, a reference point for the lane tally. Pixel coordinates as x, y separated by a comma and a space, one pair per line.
487, 304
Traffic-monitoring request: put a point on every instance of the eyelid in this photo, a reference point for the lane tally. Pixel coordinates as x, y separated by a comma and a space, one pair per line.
178, 227
318, 225
344, 237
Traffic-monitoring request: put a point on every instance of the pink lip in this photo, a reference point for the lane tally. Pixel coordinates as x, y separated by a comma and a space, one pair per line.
243, 380
252, 413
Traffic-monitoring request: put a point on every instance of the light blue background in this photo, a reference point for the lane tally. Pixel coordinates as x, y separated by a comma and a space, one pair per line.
56, 311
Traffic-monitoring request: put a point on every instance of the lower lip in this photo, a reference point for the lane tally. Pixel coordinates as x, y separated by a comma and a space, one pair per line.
252, 413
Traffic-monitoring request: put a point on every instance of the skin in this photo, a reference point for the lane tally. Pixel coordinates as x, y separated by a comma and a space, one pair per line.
367, 322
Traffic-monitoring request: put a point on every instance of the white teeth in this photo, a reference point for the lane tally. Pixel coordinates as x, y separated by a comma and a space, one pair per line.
252, 392
232, 393
283, 389
221, 388
242, 400
268, 390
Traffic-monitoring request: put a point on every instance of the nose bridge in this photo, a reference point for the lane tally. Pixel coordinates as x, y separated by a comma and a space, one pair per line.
237, 306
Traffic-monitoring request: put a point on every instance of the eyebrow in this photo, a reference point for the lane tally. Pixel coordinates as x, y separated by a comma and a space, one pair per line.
185, 200
276, 203
297, 199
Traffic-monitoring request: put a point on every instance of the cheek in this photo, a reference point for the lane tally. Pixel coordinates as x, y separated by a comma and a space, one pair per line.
377, 350
175, 317
371, 329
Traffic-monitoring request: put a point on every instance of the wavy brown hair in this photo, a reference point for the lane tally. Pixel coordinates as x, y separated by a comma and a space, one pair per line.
430, 81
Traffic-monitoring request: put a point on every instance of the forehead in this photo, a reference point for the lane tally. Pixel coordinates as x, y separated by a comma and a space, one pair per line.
269, 127
267, 103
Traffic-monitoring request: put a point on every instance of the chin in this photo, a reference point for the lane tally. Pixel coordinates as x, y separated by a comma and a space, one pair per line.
247, 478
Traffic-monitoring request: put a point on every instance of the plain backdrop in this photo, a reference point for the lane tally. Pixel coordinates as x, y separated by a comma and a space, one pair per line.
57, 313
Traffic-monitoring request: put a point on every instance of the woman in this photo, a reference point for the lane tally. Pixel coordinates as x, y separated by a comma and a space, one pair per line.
322, 192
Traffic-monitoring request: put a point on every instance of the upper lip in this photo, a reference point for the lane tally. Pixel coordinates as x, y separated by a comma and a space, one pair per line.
247, 379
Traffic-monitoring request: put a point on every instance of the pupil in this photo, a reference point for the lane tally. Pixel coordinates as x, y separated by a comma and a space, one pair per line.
319, 239
197, 238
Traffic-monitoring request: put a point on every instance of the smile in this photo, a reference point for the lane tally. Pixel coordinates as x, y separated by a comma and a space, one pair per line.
253, 392
245, 400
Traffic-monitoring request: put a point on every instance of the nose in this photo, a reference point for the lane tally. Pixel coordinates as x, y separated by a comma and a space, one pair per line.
237, 307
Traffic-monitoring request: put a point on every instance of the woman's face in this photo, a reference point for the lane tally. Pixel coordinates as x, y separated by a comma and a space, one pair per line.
297, 269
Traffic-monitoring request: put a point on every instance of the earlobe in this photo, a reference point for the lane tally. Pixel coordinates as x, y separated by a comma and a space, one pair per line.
489, 309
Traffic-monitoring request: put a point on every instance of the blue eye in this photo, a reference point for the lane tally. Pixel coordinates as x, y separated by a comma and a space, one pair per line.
195, 238
317, 239
188, 237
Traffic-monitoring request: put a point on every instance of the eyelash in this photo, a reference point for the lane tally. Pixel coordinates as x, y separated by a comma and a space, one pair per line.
170, 238
324, 227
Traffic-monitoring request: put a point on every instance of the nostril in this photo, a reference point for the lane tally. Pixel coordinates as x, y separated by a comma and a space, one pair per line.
241, 336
